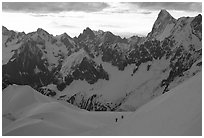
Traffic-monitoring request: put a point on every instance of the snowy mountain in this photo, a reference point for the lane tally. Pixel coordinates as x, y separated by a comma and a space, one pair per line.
100, 71
176, 113
34, 56
162, 26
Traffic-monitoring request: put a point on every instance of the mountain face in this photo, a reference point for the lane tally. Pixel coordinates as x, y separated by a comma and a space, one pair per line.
162, 26
34, 56
99, 71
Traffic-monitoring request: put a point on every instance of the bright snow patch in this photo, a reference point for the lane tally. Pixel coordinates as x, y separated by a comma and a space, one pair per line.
73, 60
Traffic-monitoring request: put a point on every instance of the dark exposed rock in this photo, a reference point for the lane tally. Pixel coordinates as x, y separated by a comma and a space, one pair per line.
26, 67
87, 70
196, 24
46, 91
91, 103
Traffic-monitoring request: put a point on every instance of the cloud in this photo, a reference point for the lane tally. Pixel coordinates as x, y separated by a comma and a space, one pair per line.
39, 15
73, 16
66, 26
145, 12
180, 6
56, 15
121, 11
53, 7
57, 25
109, 26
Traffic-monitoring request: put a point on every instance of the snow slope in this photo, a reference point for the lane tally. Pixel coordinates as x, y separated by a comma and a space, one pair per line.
139, 86
27, 112
72, 61
178, 112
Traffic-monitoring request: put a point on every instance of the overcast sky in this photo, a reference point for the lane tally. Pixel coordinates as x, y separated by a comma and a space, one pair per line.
125, 19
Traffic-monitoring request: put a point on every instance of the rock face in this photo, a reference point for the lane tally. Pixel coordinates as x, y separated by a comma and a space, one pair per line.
100, 71
162, 26
34, 57
26, 67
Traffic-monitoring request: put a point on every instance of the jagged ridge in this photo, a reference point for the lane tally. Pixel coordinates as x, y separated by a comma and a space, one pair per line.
40, 58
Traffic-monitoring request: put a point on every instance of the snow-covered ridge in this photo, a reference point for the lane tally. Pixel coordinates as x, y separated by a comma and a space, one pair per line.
177, 113
72, 61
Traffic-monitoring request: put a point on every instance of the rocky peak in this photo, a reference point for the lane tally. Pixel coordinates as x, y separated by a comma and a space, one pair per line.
87, 30
4, 29
135, 40
196, 25
108, 34
163, 19
65, 35
86, 33
99, 32
40, 31
198, 19
42, 34
108, 37
163, 14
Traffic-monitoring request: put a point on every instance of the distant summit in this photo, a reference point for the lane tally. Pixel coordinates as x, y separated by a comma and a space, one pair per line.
41, 31
164, 18
87, 33
164, 14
